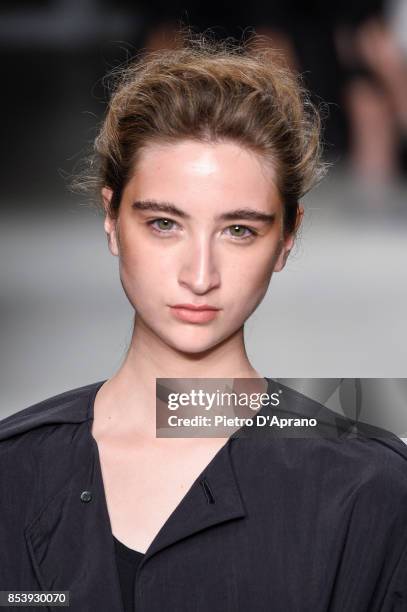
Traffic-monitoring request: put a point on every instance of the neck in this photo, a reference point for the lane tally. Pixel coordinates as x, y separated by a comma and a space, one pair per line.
130, 394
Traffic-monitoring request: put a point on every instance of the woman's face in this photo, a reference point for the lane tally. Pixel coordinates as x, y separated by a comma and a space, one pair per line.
187, 233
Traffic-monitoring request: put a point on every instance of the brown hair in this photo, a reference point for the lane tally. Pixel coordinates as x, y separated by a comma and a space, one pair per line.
209, 91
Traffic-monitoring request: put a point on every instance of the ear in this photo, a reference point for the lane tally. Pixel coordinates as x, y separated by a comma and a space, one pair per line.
110, 223
288, 243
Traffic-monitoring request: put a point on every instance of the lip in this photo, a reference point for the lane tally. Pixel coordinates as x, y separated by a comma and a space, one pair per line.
194, 307
194, 315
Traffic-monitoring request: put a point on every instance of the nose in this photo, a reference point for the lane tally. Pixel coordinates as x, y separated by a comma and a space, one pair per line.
199, 271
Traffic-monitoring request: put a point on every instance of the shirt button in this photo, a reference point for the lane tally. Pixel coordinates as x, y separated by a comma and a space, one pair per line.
86, 496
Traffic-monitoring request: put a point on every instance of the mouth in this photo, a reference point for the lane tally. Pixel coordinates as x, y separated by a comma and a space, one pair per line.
195, 307
194, 314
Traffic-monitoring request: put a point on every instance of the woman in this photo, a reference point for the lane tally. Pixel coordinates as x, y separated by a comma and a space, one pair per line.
201, 161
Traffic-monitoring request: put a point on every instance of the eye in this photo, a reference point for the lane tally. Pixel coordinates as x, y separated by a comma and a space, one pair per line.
165, 223
239, 236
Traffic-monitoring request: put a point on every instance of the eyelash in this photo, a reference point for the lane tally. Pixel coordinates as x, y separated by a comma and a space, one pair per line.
158, 231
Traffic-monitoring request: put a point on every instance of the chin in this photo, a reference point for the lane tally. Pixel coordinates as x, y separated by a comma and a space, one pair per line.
193, 345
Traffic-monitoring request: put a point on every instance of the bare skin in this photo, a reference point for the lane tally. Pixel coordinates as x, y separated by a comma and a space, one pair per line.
196, 260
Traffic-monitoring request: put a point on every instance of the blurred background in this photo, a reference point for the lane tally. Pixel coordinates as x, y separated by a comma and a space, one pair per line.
338, 309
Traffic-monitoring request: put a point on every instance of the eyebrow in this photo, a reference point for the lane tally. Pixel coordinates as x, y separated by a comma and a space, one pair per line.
240, 213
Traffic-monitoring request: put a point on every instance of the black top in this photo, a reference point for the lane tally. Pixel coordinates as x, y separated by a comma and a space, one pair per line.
271, 523
127, 560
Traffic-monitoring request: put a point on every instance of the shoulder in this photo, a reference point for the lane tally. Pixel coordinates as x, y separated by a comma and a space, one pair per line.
41, 447
59, 412
369, 463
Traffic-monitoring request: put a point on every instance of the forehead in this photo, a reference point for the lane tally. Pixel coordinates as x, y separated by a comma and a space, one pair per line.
212, 174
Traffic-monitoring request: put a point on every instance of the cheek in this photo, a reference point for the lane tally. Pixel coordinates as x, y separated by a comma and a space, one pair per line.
142, 273
248, 282
253, 286
255, 270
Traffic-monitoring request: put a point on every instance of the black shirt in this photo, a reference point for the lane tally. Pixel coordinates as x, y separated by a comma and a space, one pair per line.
272, 523
127, 560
